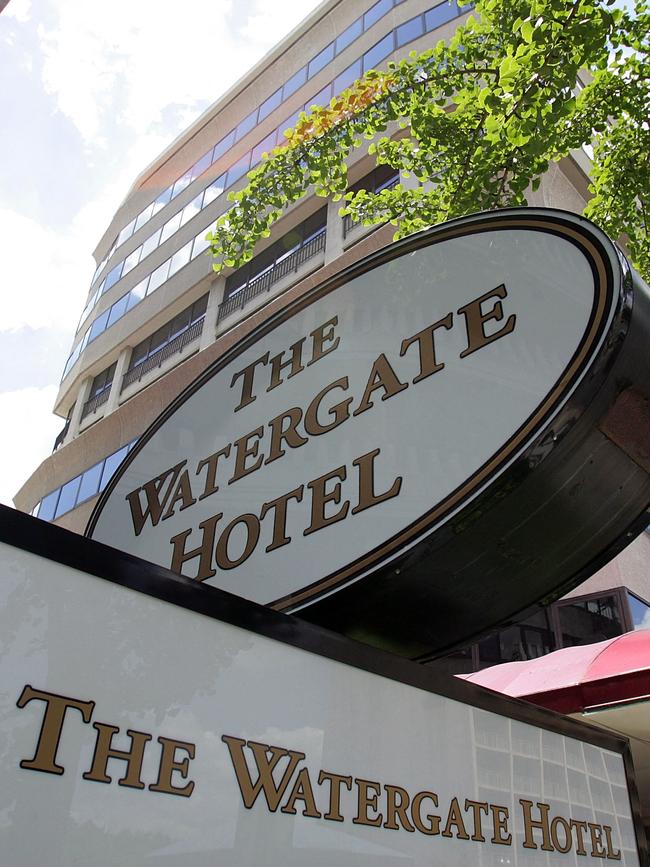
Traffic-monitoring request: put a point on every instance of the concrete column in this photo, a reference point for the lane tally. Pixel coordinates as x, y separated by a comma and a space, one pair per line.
75, 420
208, 335
116, 386
334, 240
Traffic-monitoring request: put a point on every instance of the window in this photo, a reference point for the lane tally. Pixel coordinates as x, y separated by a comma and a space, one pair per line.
118, 310
180, 184
322, 97
158, 277
372, 58
639, 611
102, 381
170, 227
99, 325
246, 125
376, 12
180, 258
47, 507
151, 243
131, 260
160, 338
349, 35
143, 217
126, 232
376, 180
90, 482
224, 145
236, 171
347, 77
201, 165
296, 81
529, 639
215, 189
113, 276
162, 200
265, 146
111, 464
409, 31
270, 104
439, 15
191, 210
276, 253
68, 496
136, 294
200, 244
322, 59
586, 621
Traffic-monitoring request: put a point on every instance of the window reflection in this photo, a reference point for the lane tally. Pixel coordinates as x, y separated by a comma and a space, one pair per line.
639, 611
590, 620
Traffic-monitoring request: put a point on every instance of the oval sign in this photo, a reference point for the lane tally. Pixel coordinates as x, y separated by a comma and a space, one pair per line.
333, 452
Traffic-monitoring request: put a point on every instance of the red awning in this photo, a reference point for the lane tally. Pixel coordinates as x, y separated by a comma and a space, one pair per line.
578, 678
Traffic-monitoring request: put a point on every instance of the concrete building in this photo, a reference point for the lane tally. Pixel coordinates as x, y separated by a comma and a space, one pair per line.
157, 314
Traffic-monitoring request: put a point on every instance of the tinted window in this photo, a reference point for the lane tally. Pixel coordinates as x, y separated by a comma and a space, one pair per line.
200, 244
180, 258
376, 12
158, 277
111, 464
90, 482
113, 276
48, 506
143, 217
99, 325
246, 125
439, 15
68, 496
151, 243
131, 260
170, 227
264, 146
126, 232
162, 200
321, 60
270, 104
349, 35
377, 53
136, 294
297, 80
409, 31
322, 97
118, 310
180, 184
223, 146
201, 165
214, 190
347, 77
640, 612
588, 621
191, 210
238, 169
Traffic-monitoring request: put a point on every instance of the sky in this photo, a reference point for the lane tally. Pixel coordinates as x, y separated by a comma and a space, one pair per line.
91, 93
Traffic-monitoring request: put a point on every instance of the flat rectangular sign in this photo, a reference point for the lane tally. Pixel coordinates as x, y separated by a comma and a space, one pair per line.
149, 719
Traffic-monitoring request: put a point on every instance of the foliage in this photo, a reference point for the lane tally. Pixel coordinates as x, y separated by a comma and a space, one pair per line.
481, 117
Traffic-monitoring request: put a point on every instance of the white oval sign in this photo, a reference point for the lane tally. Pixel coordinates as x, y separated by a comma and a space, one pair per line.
356, 422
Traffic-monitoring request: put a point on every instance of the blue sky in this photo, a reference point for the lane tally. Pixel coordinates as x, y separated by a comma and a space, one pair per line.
91, 93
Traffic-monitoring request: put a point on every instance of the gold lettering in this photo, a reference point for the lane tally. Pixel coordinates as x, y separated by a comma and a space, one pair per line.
44, 759
246, 449
322, 335
154, 503
367, 497
203, 551
295, 363
366, 801
266, 758
530, 824
279, 506
500, 834
289, 434
335, 781
433, 826
340, 412
383, 376
580, 828
169, 764
182, 494
105, 751
252, 525
455, 819
397, 802
612, 854
302, 791
477, 807
596, 835
426, 347
475, 320
211, 486
248, 374
556, 823
319, 499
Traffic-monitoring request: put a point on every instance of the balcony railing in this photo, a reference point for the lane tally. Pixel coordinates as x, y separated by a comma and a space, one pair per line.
176, 345
349, 224
264, 281
62, 435
95, 402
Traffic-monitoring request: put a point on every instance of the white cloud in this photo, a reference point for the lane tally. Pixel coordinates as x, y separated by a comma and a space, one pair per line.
127, 61
28, 435
21, 10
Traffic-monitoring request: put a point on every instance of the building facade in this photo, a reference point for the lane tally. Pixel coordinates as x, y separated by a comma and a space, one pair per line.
157, 315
